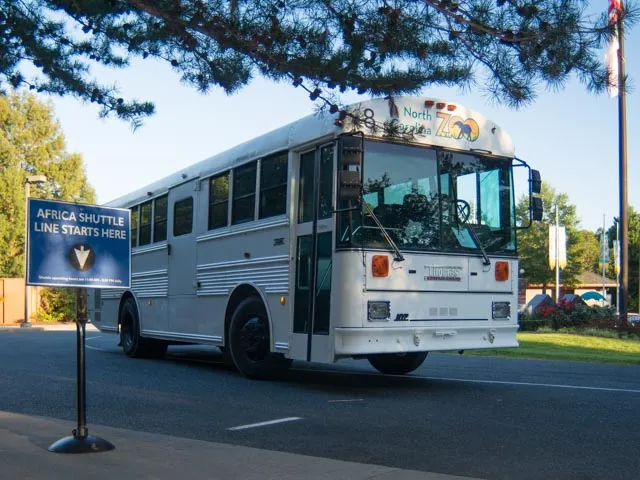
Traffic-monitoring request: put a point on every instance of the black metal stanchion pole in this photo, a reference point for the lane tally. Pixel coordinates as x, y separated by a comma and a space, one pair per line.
81, 441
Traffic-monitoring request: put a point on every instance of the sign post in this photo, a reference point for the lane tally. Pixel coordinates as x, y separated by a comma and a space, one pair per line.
82, 246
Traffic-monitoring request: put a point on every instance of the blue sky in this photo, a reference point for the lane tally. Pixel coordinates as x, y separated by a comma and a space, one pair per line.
571, 136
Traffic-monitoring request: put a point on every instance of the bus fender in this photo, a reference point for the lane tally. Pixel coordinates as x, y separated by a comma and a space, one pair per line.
262, 297
125, 295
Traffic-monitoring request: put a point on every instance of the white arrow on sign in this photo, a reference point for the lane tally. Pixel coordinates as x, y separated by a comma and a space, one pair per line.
82, 255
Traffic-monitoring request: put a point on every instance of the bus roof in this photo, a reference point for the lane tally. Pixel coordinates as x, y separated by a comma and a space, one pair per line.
427, 121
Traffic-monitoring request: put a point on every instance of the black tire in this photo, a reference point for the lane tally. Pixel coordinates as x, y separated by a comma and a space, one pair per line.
250, 342
397, 363
133, 345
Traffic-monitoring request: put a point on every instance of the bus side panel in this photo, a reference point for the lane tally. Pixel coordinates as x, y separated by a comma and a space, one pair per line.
153, 313
109, 303
150, 283
208, 316
257, 255
347, 305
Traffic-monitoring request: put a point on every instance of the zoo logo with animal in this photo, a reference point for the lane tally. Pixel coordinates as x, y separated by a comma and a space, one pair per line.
453, 126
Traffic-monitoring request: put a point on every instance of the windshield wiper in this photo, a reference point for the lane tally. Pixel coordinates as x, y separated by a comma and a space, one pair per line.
477, 241
397, 254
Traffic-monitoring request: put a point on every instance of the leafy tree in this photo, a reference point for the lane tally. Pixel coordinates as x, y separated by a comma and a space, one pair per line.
533, 243
586, 250
57, 305
633, 263
31, 142
380, 47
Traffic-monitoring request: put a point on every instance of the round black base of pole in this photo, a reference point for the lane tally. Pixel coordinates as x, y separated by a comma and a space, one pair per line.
76, 444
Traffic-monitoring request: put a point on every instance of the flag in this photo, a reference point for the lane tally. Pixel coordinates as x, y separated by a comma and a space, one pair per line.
611, 52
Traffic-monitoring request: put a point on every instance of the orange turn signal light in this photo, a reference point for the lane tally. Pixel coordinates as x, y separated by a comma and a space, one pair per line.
502, 271
380, 265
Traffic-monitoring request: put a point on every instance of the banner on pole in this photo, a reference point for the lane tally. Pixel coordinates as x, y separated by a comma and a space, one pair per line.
611, 52
562, 247
603, 259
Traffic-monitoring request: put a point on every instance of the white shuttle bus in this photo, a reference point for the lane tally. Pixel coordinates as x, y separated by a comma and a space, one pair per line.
330, 238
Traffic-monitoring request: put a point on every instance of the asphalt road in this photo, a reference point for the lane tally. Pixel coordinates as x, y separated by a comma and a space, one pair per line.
475, 416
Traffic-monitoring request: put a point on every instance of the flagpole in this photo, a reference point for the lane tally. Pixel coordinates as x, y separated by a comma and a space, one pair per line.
603, 245
557, 257
622, 139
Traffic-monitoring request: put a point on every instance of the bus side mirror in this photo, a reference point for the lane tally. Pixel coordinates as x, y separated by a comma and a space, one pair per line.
351, 153
536, 209
536, 182
350, 185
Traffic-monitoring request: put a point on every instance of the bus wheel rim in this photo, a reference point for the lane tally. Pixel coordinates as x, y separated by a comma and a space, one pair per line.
253, 339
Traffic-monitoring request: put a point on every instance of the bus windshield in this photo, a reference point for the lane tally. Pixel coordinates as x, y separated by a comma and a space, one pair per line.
429, 200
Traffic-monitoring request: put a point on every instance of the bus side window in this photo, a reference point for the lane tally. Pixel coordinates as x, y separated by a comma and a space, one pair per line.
244, 193
144, 234
219, 201
182, 217
160, 218
273, 186
134, 226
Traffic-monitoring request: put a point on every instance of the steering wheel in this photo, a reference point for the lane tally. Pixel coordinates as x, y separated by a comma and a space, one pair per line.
463, 210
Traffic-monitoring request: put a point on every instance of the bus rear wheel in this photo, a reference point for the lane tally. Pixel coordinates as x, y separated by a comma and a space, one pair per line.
397, 363
133, 345
250, 341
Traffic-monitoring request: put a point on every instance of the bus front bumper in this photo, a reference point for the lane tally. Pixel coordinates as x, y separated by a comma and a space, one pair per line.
365, 341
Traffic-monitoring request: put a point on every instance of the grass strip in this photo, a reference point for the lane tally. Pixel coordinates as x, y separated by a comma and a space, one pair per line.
563, 346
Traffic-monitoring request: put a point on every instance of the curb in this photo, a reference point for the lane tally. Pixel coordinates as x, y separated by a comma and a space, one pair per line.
18, 328
69, 327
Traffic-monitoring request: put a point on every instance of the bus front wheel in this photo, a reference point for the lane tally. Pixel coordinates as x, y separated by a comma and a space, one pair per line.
397, 363
250, 341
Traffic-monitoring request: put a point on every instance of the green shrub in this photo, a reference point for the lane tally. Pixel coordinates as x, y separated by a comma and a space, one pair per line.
532, 323
57, 305
572, 317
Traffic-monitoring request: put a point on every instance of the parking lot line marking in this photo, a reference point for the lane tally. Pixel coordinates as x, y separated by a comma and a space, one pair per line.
347, 400
262, 424
465, 380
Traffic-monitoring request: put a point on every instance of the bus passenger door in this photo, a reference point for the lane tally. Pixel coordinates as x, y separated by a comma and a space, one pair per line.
311, 339
181, 241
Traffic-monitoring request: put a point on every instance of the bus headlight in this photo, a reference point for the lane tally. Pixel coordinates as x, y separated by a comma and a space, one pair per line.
378, 311
501, 310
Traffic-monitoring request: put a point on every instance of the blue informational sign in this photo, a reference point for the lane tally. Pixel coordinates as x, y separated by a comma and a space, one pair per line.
76, 245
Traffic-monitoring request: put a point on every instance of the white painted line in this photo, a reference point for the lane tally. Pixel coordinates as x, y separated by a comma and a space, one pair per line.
529, 384
347, 400
464, 380
262, 424
91, 338
96, 348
